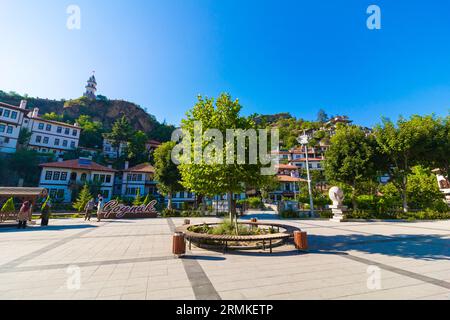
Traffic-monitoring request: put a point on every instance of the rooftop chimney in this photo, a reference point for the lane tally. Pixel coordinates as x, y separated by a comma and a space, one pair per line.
127, 165
23, 104
35, 113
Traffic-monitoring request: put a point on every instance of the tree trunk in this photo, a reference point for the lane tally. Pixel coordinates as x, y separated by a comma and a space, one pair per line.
354, 202
169, 201
404, 194
230, 211
203, 207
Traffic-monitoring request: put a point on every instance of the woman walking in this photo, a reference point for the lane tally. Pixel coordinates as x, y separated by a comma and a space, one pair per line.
99, 207
24, 215
88, 209
45, 212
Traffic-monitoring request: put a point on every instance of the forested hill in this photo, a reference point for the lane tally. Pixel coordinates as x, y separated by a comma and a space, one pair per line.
102, 110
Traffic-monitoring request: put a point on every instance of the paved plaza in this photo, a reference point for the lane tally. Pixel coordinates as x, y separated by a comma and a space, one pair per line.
132, 259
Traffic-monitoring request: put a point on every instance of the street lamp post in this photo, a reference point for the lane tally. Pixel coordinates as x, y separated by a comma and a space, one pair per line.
304, 140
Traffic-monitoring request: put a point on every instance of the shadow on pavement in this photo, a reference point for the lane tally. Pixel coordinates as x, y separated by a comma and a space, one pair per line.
421, 246
48, 228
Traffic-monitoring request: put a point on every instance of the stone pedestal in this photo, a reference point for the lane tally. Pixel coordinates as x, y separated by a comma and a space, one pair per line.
338, 212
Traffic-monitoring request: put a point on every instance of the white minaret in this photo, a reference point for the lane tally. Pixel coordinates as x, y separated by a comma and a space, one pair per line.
91, 87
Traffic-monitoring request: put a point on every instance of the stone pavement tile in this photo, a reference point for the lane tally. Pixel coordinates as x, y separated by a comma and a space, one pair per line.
445, 296
134, 296
113, 291
86, 294
116, 297
401, 293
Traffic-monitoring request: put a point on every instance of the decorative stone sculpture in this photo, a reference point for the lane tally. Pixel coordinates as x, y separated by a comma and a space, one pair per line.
337, 196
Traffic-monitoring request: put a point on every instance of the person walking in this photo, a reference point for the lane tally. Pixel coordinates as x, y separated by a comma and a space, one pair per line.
45, 212
99, 207
88, 209
24, 215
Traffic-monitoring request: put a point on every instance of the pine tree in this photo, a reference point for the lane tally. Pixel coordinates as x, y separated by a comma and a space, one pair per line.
148, 199
83, 198
8, 206
138, 200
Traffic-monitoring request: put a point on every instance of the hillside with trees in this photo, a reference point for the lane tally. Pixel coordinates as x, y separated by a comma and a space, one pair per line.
102, 110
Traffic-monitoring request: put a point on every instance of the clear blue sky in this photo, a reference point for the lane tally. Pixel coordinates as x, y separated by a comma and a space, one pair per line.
275, 56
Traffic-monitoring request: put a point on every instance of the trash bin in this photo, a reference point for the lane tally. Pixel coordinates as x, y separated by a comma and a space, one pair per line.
301, 240
187, 222
179, 244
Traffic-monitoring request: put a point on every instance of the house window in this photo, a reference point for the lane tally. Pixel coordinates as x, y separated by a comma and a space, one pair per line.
60, 194
2, 128
56, 142
83, 177
48, 175
59, 129
72, 144
63, 176
6, 113
128, 177
45, 140
73, 176
53, 193
38, 139
41, 126
9, 130
108, 179
66, 131
74, 132
64, 143
96, 177
14, 115
56, 175
102, 178
48, 127
105, 194
1, 112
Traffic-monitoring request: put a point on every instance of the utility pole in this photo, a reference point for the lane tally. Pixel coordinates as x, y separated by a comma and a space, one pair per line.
304, 140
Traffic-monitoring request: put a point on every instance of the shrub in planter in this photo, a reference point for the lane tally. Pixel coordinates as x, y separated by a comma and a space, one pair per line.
170, 213
289, 214
8, 206
255, 203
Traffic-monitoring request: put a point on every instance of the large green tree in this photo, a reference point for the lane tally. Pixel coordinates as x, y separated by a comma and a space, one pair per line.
439, 151
91, 133
121, 133
350, 159
166, 172
136, 148
209, 178
404, 145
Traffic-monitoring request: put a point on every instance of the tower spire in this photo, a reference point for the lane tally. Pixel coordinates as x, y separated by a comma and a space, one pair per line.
91, 87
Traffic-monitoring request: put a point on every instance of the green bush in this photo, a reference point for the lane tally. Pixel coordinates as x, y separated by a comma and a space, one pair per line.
166, 213
8, 206
367, 202
289, 214
255, 203
191, 213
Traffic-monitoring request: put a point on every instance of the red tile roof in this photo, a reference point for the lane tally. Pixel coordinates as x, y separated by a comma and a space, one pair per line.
287, 167
283, 178
309, 159
143, 167
78, 164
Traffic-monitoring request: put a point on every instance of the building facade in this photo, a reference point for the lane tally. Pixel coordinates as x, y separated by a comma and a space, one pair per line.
138, 179
62, 177
11, 119
49, 136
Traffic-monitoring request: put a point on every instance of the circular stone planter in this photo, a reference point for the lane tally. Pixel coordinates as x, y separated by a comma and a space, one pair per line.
237, 242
